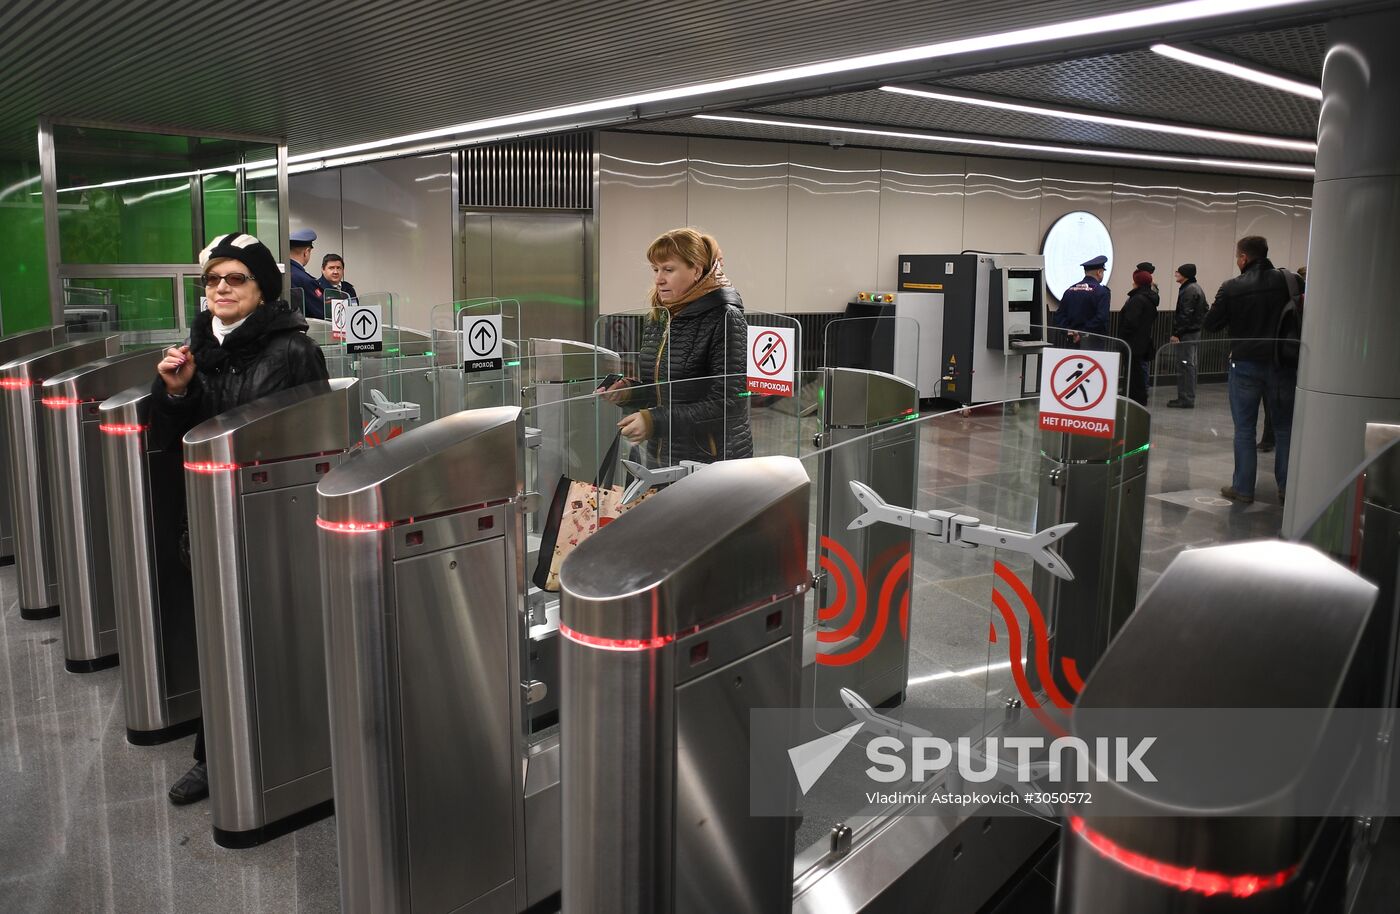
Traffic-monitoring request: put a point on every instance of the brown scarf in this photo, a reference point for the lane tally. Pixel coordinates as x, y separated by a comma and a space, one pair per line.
714, 279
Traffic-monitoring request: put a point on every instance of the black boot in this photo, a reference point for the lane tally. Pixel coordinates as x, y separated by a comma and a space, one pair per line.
192, 787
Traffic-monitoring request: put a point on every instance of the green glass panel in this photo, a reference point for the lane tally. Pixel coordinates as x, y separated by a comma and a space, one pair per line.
220, 204
148, 304
24, 283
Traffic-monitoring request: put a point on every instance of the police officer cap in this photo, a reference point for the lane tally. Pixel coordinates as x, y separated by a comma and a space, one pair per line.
1097, 263
303, 236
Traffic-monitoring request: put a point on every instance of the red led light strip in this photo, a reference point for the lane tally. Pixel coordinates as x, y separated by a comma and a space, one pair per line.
121, 429
615, 644
354, 526
1187, 879
202, 466
60, 402
15, 383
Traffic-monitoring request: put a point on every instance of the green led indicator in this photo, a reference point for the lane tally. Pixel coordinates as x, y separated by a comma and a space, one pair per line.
513, 364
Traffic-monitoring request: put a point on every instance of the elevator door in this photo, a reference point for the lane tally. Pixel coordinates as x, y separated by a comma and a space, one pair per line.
539, 259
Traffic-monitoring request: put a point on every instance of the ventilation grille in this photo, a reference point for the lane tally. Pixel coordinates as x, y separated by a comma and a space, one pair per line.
547, 172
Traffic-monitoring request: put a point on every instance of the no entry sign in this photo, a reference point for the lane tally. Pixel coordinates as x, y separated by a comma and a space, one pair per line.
1078, 392
772, 360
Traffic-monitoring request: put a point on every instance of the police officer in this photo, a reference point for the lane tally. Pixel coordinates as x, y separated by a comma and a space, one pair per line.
1084, 305
312, 296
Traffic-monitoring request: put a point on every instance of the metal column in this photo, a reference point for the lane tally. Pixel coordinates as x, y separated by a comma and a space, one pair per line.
422, 544
153, 592
30, 487
871, 406
81, 521
250, 480
12, 347
680, 618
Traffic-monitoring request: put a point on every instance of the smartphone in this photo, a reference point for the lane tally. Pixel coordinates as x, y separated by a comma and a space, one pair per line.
609, 381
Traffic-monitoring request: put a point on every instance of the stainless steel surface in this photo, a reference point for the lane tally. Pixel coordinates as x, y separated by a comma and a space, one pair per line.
862, 399
563, 371
655, 808
81, 522
12, 347
30, 486
539, 259
423, 630
250, 593
558, 361
701, 540
151, 587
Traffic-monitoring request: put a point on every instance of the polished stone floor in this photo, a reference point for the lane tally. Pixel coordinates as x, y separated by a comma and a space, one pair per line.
85, 826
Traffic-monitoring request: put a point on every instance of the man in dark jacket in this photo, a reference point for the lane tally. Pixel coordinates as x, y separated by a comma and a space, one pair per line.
1248, 308
1190, 314
1135, 328
1084, 305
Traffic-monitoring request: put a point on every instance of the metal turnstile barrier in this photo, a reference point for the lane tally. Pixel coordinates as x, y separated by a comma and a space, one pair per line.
871, 406
1100, 484
422, 544
12, 347
680, 618
250, 479
81, 523
152, 591
30, 486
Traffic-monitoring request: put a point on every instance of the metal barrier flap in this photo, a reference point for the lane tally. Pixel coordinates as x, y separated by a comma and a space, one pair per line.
12, 347
557, 361
95, 380
859, 397
45, 363
696, 552
468, 458
317, 418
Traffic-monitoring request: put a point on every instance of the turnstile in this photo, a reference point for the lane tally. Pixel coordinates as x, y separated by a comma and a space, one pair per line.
855, 649
1100, 483
22, 381
78, 486
152, 591
12, 347
680, 618
422, 543
250, 480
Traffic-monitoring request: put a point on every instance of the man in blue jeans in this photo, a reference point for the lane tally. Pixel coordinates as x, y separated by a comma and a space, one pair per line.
1248, 307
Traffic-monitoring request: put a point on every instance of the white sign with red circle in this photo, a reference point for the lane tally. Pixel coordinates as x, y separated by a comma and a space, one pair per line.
772, 360
1078, 392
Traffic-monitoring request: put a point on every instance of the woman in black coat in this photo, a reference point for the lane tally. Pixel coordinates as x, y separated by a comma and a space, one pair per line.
247, 345
688, 403
1135, 328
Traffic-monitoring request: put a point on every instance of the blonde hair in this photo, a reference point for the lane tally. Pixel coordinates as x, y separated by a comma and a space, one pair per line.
690, 246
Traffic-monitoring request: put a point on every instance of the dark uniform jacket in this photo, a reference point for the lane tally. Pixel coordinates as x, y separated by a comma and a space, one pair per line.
1136, 319
1191, 309
1084, 307
329, 291
268, 352
707, 418
1248, 308
313, 304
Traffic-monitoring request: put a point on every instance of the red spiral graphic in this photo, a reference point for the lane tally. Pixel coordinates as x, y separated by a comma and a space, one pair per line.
1040, 636
897, 575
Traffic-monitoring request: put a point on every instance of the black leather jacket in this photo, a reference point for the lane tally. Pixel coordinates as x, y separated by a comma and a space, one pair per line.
1248, 308
704, 419
1191, 309
270, 351
1136, 319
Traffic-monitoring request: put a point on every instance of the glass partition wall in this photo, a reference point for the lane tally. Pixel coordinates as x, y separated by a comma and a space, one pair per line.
127, 210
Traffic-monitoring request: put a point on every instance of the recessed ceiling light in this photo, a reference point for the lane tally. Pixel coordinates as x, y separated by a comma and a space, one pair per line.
1153, 17
1302, 171
1240, 71
1204, 133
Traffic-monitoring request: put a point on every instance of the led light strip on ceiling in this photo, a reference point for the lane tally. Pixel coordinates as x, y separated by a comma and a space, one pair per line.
1240, 71
1300, 171
1094, 117
1156, 17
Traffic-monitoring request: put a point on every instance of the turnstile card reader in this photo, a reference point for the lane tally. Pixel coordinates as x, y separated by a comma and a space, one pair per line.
250, 483
993, 321
680, 618
12, 347
875, 408
152, 591
72, 403
422, 544
21, 383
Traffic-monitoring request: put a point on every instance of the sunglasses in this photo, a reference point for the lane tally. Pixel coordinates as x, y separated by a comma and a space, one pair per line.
234, 280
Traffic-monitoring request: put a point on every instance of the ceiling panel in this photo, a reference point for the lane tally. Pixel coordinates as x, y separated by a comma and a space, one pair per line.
1298, 51
1149, 85
888, 109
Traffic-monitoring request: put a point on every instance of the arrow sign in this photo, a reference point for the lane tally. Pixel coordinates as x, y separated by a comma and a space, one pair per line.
484, 349
363, 330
